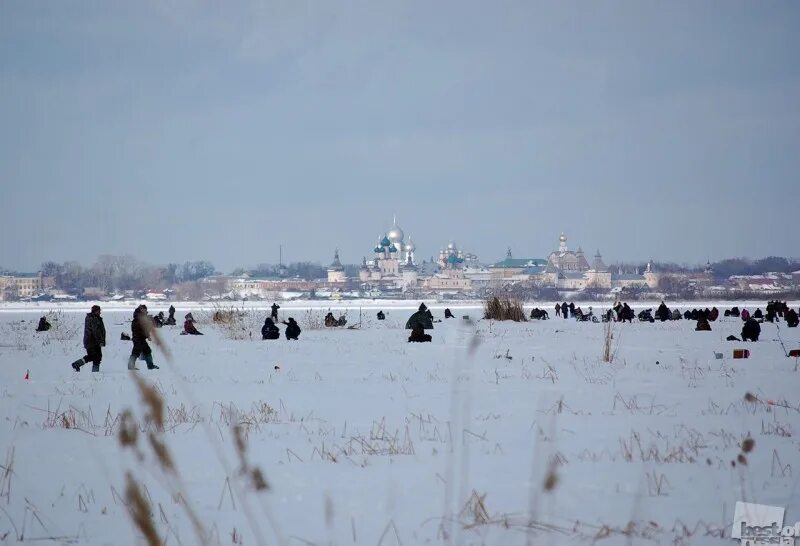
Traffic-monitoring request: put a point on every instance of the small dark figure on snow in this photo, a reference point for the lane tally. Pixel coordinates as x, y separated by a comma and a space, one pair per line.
627, 313
94, 338
702, 325
772, 313
676, 314
745, 315
558, 309
687, 315
141, 327
758, 314
43, 325
662, 313
189, 327
292, 329
423, 316
751, 330
330, 320
159, 320
275, 308
171, 317
539, 314
646, 316
448, 314
571, 309
381, 316
418, 334
791, 318
565, 310
269, 330
714, 314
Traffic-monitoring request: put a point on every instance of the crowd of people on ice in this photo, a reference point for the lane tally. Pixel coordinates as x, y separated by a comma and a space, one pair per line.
142, 327
143, 324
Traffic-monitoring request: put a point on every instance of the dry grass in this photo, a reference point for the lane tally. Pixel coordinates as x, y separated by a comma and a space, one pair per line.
609, 347
505, 309
62, 329
140, 512
235, 323
7, 473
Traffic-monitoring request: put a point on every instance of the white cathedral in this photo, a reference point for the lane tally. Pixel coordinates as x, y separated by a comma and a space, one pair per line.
570, 270
393, 260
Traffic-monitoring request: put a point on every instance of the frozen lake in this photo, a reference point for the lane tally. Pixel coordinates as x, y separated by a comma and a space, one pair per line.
494, 433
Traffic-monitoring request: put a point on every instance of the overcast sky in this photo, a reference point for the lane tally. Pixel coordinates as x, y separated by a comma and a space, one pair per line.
178, 129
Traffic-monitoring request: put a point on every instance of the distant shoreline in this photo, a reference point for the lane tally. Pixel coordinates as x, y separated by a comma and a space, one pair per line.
367, 304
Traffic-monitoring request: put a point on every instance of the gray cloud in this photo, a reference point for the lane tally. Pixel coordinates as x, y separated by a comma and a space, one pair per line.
172, 130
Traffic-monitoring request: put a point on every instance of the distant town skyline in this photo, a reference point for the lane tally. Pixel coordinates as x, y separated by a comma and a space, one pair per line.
176, 131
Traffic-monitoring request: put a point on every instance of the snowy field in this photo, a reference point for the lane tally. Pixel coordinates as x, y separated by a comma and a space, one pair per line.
495, 433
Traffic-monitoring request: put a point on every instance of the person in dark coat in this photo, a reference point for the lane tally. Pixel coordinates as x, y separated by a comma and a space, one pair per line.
791, 318
571, 309
381, 316
751, 330
702, 324
269, 330
558, 309
159, 320
189, 327
330, 320
141, 327
627, 313
662, 313
772, 312
43, 325
565, 310
448, 314
687, 315
171, 317
423, 316
539, 314
758, 314
94, 338
714, 314
292, 329
275, 308
676, 314
418, 334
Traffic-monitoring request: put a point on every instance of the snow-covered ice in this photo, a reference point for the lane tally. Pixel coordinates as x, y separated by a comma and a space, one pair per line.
364, 438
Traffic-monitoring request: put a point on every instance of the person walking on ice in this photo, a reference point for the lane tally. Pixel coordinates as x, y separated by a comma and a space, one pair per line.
141, 327
94, 339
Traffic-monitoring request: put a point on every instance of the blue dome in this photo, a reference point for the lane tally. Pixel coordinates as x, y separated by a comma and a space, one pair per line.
378, 249
385, 241
392, 248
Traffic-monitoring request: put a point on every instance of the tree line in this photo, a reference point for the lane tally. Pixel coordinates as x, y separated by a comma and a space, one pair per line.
120, 273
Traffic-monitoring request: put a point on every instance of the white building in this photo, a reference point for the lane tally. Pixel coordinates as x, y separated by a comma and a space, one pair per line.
393, 263
14, 287
336, 270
